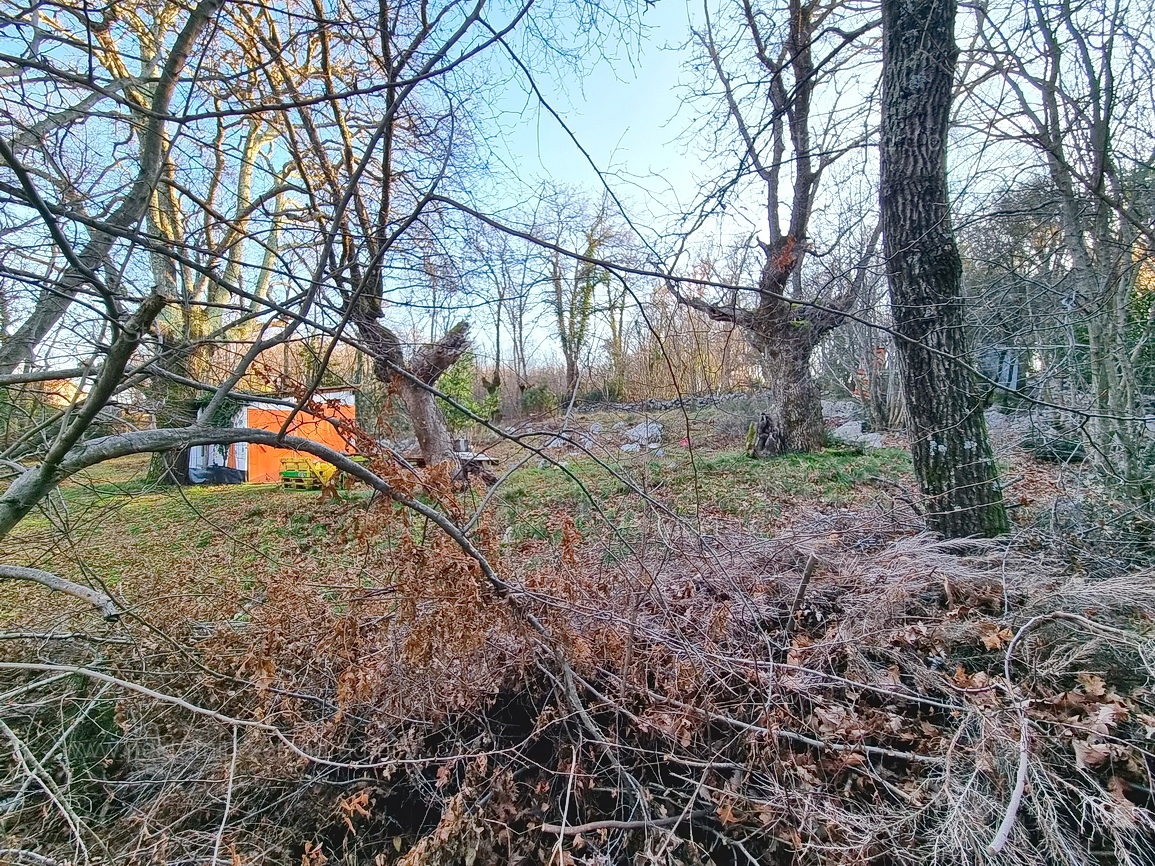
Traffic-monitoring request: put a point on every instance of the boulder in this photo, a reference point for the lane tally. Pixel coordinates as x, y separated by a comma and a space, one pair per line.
644, 433
850, 432
842, 409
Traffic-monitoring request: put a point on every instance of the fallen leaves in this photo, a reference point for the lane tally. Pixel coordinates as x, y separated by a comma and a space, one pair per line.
355, 805
993, 637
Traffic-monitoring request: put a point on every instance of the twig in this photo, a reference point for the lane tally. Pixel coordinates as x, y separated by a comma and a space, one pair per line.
811, 567
228, 801
1004, 832
901, 493
33, 768
19, 855
565, 806
645, 823
65, 635
793, 736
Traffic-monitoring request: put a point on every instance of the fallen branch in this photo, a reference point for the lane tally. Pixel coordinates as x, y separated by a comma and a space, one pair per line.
811, 566
101, 601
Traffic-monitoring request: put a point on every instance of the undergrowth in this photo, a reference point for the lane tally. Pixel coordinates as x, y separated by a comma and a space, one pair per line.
299, 680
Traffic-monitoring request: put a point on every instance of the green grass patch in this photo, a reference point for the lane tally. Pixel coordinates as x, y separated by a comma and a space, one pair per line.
722, 483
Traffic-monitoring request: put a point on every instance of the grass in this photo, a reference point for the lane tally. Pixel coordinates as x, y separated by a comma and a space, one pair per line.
218, 542
716, 483
128, 534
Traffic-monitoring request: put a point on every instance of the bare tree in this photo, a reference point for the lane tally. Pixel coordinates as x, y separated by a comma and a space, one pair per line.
1073, 95
770, 105
79, 272
575, 283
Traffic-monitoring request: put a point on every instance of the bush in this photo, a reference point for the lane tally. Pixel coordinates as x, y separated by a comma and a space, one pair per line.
610, 391
538, 400
459, 383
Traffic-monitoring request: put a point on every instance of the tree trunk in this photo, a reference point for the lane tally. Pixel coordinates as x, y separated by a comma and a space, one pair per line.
571, 375
428, 422
426, 367
179, 410
794, 422
952, 454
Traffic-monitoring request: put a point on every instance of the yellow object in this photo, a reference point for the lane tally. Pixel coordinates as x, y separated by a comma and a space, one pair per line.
301, 473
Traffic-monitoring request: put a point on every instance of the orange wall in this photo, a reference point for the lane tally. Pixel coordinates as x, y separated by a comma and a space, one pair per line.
265, 462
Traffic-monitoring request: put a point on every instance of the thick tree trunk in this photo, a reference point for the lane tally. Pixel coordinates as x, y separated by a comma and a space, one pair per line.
794, 422
430, 361
429, 427
952, 454
176, 407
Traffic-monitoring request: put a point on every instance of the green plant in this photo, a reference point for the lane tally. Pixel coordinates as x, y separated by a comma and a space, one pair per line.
610, 391
538, 400
459, 383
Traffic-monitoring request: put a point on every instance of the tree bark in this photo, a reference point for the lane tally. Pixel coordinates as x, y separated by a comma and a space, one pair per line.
794, 422
426, 367
952, 454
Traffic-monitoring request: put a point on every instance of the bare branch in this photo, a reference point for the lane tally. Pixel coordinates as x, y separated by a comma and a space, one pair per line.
97, 599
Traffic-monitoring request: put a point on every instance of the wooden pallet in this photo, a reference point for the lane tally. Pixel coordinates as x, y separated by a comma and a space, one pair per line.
300, 473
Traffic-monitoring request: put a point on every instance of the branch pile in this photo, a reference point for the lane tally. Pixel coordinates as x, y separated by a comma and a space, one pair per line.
847, 694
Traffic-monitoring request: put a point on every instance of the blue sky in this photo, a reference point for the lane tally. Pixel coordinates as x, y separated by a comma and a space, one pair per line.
626, 112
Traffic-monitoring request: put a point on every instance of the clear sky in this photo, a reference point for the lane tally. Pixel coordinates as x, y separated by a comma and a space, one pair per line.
627, 114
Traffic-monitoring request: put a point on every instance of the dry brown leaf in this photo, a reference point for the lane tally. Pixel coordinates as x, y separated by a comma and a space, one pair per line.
1106, 717
993, 637
726, 814
1092, 754
356, 804
443, 775
1093, 686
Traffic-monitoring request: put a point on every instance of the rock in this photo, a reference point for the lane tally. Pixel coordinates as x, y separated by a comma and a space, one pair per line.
646, 432
596, 429
631, 448
842, 409
850, 432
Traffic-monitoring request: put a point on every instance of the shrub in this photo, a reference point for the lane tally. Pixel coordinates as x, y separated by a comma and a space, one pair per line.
538, 400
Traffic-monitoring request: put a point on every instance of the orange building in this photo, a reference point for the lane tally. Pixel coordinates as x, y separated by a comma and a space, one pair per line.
261, 463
